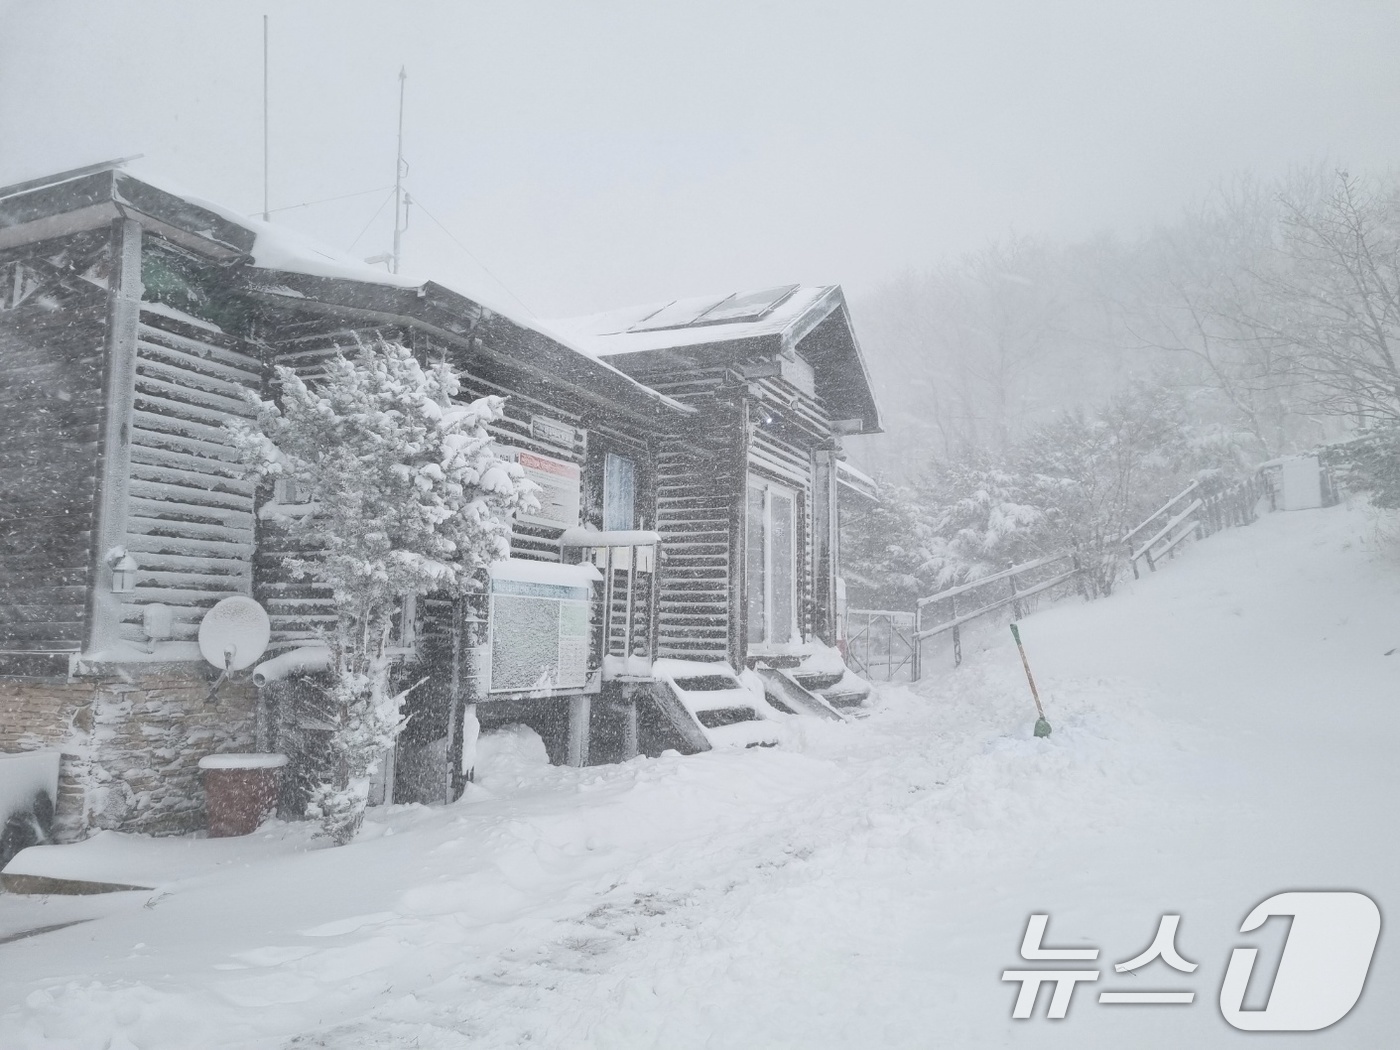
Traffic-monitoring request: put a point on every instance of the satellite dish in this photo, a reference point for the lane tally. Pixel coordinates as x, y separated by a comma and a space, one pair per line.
234, 634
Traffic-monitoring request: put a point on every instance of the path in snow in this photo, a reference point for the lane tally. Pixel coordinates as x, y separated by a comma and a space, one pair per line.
1223, 731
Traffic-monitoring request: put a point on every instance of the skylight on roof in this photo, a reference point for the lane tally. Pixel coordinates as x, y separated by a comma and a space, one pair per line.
678, 314
694, 313
749, 306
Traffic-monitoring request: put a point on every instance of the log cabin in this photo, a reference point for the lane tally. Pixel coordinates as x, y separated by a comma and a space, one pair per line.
677, 588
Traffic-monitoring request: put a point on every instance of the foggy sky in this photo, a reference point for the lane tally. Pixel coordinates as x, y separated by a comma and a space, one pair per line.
598, 154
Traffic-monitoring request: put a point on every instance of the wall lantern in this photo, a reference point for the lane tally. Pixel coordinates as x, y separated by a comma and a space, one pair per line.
123, 574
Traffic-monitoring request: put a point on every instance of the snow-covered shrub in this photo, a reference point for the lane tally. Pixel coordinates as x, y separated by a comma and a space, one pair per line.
1370, 463
407, 498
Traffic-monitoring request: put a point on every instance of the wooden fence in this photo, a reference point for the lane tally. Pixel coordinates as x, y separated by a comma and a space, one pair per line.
1014, 588
882, 644
1194, 511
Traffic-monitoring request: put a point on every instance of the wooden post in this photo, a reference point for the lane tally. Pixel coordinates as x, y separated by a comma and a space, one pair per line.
631, 591
119, 395
738, 540
825, 542
629, 726
916, 660
1016, 609
580, 707
455, 710
607, 601
957, 631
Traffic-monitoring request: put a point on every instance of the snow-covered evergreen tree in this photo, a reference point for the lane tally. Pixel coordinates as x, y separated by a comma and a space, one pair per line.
1093, 478
979, 518
407, 498
884, 549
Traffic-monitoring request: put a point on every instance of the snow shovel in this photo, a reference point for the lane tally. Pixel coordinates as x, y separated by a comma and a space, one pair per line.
1042, 727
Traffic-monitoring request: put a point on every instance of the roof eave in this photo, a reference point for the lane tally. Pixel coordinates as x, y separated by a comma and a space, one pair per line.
75, 202
449, 315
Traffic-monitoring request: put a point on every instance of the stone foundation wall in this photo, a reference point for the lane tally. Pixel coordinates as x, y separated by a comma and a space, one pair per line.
131, 744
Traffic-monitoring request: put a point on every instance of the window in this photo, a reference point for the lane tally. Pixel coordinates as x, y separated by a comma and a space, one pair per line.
771, 563
619, 493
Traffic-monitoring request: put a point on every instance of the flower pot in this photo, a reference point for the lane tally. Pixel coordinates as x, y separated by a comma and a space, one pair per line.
240, 791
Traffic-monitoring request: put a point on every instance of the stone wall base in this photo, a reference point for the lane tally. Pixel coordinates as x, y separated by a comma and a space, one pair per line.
131, 743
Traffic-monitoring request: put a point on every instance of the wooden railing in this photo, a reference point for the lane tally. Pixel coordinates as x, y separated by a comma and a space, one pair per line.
879, 643
627, 559
1194, 511
1197, 510
1014, 588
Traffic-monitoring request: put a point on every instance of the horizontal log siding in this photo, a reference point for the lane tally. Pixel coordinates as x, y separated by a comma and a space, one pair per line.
694, 510
299, 609
538, 542
50, 417
694, 607
190, 524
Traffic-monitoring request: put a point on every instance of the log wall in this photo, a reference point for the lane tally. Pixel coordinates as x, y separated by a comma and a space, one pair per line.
50, 415
190, 515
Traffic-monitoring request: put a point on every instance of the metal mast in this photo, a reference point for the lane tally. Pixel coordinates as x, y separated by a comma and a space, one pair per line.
400, 209
266, 213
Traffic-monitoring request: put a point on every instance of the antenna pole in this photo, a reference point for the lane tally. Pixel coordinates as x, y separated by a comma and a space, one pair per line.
398, 178
266, 213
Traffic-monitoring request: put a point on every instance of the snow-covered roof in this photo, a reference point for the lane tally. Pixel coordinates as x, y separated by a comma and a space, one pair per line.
86, 198
783, 319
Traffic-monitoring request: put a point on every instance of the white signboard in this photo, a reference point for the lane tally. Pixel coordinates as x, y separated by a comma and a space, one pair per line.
553, 431
559, 484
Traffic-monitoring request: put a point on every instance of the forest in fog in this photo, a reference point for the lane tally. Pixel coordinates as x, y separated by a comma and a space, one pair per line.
1040, 397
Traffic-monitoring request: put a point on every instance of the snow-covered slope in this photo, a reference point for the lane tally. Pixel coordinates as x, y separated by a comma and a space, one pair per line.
1223, 730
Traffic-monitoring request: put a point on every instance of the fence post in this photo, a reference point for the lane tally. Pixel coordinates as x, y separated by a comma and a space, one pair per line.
957, 632
1015, 599
916, 658
889, 649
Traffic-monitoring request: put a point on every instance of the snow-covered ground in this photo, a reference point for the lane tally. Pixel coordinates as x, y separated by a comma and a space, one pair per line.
1224, 730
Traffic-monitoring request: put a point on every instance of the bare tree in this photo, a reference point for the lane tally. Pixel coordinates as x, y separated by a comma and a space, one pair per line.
1334, 294
1198, 294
